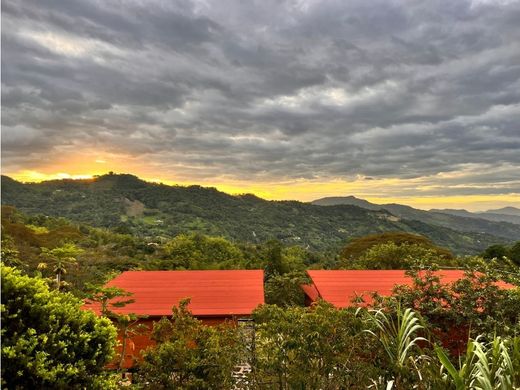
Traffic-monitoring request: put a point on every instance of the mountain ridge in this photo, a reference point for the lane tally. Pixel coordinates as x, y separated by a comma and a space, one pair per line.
461, 220
158, 210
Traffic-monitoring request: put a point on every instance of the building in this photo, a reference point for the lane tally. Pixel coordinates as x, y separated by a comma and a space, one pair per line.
343, 287
215, 297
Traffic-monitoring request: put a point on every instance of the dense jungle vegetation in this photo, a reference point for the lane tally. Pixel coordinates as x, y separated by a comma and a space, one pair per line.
160, 212
428, 336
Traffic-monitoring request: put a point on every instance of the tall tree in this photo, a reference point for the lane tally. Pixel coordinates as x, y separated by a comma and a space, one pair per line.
60, 258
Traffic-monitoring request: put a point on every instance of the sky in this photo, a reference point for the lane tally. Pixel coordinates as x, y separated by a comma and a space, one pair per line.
415, 102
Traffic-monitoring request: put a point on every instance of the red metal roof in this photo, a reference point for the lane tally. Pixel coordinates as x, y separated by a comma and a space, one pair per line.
310, 291
212, 293
342, 286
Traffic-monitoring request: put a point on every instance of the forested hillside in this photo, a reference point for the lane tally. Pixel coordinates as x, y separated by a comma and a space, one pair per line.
507, 226
156, 211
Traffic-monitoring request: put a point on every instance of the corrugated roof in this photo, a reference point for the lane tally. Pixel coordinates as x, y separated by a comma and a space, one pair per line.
212, 293
341, 287
310, 291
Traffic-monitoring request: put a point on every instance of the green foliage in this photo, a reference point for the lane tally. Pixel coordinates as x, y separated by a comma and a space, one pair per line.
514, 253
311, 348
495, 251
47, 340
486, 365
285, 290
454, 312
10, 255
274, 261
108, 298
398, 334
100, 252
110, 201
196, 251
358, 247
501, 252
190, 355
390, 255
60, 258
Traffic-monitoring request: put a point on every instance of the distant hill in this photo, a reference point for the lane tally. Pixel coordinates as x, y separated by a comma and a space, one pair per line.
460, 220
505, 211
506, 214
158, 211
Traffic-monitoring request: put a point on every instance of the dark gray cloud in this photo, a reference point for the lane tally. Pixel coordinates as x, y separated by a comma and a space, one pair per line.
270, 90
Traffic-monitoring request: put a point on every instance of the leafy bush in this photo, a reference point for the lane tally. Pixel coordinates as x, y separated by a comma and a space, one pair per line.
455, 312
491, 365
312, 348
47, 340
190, 355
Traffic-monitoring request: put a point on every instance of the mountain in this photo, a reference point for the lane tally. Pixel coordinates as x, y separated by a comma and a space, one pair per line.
505, 211
460, 220
490, 215
159, 211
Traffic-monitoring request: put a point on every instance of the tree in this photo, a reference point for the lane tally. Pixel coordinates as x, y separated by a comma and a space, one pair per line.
108, 298
9, 253
285, 290
129, 325
514, 253
357, 247
390, 255
495, 252
60, 258
273, 256
312, 348
48, 342
196, 251
190, 355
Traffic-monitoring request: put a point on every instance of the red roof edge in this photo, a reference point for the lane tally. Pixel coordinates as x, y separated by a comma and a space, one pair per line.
310, 291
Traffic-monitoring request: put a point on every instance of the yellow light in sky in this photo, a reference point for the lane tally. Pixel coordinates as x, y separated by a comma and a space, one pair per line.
378, 191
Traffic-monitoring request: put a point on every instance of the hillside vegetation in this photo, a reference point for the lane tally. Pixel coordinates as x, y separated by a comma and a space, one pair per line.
501, 225
157, 211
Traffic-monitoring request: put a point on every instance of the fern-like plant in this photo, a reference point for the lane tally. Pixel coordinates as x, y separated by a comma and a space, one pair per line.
398, 336
494, 365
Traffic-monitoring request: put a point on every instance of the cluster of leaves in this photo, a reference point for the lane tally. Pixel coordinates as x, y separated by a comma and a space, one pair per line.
77, 254
455, 312
47, 340
499, 251
493, 364
312, 348
191, 355
357, 247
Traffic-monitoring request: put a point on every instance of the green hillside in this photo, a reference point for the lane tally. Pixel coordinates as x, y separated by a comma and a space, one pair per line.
155, 211
460, 221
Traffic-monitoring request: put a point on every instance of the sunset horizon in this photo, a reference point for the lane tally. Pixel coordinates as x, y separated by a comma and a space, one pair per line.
304, 190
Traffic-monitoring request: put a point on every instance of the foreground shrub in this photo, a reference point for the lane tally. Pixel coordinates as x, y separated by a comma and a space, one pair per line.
48, 342
312, 348
456, 312
491, 365
190, 355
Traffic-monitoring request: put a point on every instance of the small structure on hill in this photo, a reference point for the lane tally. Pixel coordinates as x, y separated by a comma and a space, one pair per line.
215, 297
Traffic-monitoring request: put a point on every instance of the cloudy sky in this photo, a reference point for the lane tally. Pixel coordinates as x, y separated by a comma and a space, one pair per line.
410, 101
